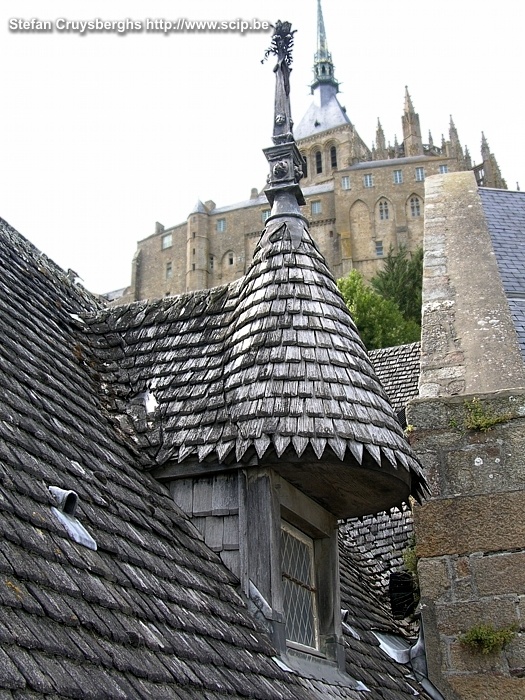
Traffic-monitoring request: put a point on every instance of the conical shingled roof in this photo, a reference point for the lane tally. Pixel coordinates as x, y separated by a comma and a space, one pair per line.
297, 372
269, 368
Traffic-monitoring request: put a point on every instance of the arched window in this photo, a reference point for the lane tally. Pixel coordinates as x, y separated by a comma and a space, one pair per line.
383, 210
333, 157
415, 206
319, 162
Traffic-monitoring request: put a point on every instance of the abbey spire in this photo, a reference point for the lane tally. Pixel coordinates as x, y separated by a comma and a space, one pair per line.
325, 112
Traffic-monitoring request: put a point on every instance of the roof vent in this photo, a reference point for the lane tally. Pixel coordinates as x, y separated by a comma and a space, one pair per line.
65, 510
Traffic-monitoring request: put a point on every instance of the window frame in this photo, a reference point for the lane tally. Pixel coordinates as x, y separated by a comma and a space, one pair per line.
368, 180
345, 180
316, 207
318, 162
296, 584
420, 174
333, 157
166, 241
415, 206
384, 211
398, 177
220, 225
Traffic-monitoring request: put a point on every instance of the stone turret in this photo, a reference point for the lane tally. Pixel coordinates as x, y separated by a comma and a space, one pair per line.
197, 248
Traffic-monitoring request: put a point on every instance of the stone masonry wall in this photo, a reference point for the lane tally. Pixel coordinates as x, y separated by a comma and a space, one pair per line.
470, 538
468, 429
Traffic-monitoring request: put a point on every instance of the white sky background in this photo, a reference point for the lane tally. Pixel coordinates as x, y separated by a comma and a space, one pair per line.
102, 135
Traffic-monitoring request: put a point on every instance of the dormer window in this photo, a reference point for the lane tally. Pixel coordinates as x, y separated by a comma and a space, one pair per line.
299, 588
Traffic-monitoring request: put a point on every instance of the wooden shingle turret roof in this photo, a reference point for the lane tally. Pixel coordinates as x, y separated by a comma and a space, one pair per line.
268, 367
269, 370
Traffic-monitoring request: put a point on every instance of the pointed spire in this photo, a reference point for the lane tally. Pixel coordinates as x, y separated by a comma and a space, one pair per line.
430, 140
323, 66
492, 173
381, 152
485, 150
409, 107
468, 160
412, 141
456, 150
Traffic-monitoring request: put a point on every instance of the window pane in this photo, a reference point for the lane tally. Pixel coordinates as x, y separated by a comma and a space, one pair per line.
318, 162
398, 177
166, 241
333, 157
316, 207
297, 560
345, 182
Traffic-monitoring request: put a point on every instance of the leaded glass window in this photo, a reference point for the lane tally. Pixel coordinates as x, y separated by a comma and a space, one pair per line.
299, 591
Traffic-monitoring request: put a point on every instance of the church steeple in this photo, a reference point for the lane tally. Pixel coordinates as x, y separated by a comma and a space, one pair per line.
323, 67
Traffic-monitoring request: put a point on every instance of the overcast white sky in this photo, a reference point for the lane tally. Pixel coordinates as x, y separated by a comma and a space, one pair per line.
103, 134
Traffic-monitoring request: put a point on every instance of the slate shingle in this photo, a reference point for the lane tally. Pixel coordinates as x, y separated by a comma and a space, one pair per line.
505, 215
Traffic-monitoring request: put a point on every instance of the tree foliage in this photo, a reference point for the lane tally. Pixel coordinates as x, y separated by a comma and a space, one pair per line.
379, 321
401, 281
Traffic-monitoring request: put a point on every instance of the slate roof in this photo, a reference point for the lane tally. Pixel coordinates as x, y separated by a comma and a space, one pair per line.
505, 215
272, 361
378, 541
152, 613
398, 371
321, 115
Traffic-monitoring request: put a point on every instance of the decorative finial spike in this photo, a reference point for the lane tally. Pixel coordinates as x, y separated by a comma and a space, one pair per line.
286, 162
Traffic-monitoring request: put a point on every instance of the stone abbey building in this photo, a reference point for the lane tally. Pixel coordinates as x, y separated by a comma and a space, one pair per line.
360, 201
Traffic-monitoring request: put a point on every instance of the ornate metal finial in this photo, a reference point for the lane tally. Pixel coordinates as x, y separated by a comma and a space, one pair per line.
286, 163
281, 46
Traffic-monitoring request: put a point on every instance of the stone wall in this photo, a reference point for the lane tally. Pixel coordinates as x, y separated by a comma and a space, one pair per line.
470, 537
468, 429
